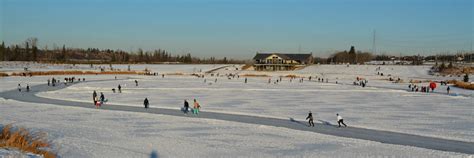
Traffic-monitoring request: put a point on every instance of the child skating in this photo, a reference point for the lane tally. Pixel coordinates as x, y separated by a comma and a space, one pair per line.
310, 119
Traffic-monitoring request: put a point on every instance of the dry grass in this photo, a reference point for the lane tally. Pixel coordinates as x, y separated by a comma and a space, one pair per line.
291, 76
76, 72
177, 73
254, 75
457, 71
3, 74
465, 85
25, 141
246, 66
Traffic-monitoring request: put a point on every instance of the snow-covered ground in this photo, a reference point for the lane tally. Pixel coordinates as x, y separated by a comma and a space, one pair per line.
161, 68
13, 153
383, 105
78, 132
436, 115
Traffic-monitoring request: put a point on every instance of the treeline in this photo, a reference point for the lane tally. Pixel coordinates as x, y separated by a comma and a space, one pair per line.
29, 51
464, 57
352, 56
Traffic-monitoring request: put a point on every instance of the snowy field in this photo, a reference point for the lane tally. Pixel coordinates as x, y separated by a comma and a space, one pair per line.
163, 68
78, 132
432, 114
382, 105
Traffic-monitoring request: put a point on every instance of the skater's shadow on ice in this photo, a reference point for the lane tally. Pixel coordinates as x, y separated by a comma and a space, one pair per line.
296, 121
154, 154
325, 122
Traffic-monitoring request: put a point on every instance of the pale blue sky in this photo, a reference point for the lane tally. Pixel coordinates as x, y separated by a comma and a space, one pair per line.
240, 28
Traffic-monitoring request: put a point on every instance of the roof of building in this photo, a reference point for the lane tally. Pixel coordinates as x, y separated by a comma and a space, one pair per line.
300, 57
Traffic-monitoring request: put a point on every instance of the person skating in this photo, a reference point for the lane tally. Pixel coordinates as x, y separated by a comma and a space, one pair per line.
120, 88
447, 89
136, 83
186, 107
96, 102
340, 120
432, 86
94, 96
27, 88
246, 80
102, 98
146, 103
310, 119
196, 107
48, 82
19, 87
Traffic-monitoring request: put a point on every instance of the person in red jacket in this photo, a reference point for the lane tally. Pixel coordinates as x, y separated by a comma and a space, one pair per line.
432, 86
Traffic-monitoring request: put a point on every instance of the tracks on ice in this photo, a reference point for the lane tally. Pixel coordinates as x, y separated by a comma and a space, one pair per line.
349, 132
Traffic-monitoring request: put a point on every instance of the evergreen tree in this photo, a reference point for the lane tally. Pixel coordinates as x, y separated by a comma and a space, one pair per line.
140, 55
63, 56
352, 55
2, 51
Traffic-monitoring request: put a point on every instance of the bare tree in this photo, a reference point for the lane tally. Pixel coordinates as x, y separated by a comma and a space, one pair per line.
33, 41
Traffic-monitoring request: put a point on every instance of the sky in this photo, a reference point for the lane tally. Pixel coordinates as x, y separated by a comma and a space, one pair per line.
240, 28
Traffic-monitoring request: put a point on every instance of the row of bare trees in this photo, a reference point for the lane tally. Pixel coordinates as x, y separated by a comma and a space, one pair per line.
29, 51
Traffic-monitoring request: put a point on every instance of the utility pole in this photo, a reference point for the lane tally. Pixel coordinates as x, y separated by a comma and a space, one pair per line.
471, 54
373, 45
299, 49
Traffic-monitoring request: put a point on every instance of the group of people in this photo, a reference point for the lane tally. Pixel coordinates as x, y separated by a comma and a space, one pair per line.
424, 89
119, 87
27, 87
322, 80
98, 101
195, 110
311, 122
185, 108
360, 82
53, 81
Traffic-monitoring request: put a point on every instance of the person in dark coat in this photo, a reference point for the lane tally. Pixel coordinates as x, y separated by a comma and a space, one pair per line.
447, 89
94, 94
27, 88
120, 89
146, 103
186, 107
102, 97
136, 83
310, 119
